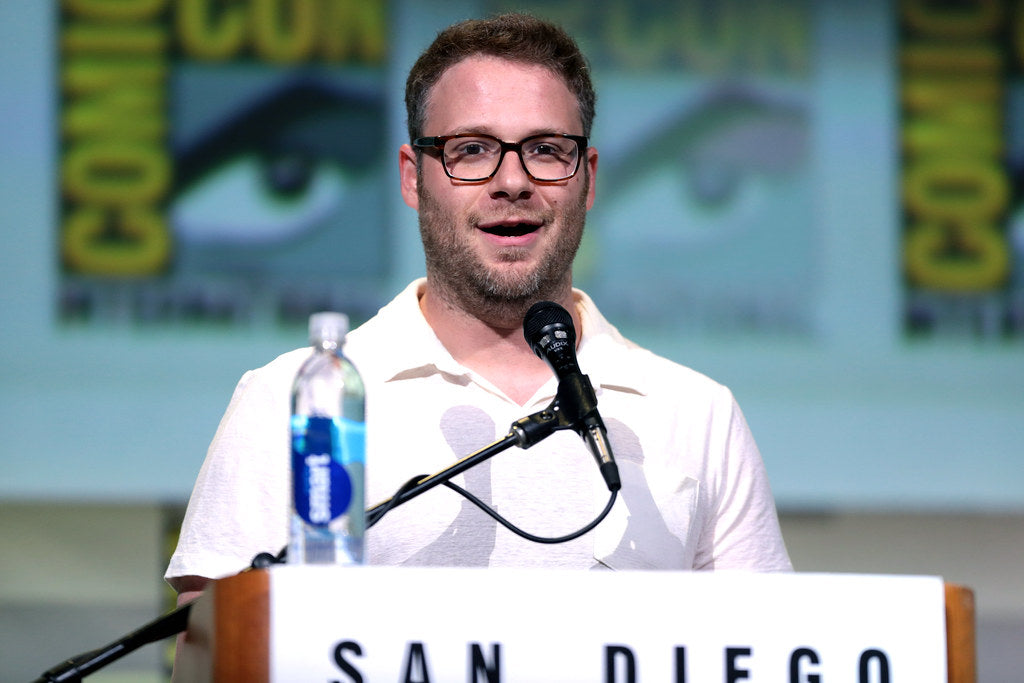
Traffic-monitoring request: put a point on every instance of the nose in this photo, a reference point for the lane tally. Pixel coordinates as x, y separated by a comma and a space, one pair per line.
510, 180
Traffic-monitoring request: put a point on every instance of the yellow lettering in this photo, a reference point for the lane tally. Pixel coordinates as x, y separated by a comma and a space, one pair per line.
354, 29
86, 74
969, 127
781, 38
764, 36
633, 45
956, 258
115, 10
284, 31
709, 41
116, 39
968, 189
1017, 33
115, 173
130, 113
926, 136
955, 189
203, 36
943, 58
965, 20
930, 93
142, 246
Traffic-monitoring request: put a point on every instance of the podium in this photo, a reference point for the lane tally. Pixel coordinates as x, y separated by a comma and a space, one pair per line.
495, 625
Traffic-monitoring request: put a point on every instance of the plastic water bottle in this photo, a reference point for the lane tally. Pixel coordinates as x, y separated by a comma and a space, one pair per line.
328, 451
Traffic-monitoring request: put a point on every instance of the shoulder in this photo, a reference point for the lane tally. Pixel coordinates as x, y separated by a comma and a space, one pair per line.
617, 362
369, 345
669, 392
282, 368
270, 383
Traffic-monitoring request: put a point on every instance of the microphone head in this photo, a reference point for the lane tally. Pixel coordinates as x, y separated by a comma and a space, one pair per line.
545, 322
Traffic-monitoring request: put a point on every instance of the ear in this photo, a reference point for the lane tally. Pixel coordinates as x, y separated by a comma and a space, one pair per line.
407, 174
591, 162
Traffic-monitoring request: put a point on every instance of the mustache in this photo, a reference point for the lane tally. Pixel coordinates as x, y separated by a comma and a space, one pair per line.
511, 223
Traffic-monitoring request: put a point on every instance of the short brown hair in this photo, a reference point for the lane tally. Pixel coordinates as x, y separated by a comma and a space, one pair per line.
516, 37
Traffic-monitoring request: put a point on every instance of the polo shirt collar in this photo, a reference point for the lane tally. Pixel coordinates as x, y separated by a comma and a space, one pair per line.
418, 352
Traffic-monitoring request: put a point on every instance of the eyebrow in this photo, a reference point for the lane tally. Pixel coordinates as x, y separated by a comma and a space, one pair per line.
488, 130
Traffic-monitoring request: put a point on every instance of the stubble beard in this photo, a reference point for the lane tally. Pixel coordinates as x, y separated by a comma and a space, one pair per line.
501, 294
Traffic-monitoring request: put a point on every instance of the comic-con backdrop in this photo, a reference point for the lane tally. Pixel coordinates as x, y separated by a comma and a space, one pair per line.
816, 202
222, 160
230, 162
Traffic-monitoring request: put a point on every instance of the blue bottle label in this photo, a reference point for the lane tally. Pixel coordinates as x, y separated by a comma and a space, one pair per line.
321, 449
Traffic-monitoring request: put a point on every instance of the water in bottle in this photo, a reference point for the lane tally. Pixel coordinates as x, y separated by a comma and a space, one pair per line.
328, 435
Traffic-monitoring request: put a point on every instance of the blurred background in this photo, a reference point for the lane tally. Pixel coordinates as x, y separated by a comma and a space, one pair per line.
818, 204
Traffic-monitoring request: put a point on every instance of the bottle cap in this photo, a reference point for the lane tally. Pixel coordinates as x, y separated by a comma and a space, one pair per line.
327, 326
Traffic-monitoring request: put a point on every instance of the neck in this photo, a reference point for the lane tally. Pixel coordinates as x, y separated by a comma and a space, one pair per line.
489, 340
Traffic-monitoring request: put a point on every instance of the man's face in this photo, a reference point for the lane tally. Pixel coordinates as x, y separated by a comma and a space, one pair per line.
509, 240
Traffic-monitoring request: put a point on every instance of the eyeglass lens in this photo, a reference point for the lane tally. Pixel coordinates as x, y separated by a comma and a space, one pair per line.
545, 158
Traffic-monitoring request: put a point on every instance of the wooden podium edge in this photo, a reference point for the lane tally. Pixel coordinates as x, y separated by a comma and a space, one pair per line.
242, 627
241, 630
961, 653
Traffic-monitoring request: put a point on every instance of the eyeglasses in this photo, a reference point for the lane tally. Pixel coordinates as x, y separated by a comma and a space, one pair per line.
473, 157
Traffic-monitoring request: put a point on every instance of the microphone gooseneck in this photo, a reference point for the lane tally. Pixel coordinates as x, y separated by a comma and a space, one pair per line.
551, 334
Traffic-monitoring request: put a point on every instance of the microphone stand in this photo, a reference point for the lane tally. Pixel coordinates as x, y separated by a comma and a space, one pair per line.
524, 433
74, 669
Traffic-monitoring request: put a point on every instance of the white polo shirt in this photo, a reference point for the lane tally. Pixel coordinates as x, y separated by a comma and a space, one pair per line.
694, 490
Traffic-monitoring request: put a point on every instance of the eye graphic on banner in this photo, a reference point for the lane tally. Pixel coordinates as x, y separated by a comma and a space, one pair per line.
223, 165
276, 169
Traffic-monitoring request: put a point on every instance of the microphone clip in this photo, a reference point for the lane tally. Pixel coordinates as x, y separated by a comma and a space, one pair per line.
575, 408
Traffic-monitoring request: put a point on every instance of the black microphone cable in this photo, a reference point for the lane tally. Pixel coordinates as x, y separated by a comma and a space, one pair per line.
494, 513
525, 534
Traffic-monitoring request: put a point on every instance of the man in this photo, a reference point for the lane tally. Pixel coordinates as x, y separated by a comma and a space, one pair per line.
448, 371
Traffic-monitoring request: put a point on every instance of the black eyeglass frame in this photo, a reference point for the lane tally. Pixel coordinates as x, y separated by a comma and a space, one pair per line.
438, 142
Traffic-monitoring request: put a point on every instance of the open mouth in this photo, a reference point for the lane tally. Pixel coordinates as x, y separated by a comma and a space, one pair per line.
511, 229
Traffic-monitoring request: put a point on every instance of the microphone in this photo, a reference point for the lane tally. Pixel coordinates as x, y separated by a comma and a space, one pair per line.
550, 332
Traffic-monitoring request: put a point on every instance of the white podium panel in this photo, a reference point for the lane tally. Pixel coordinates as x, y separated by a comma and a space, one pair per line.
488, 625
